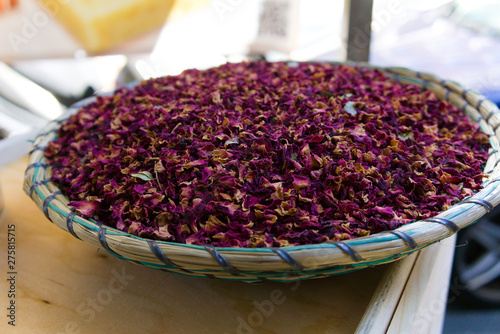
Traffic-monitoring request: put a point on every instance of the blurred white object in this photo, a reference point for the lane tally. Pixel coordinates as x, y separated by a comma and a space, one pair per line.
229, 29
278, 26
200, 40
70, 77
13, 148
25, 108
28, 95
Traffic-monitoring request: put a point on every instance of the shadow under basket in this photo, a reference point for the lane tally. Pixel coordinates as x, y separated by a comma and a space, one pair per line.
286, 263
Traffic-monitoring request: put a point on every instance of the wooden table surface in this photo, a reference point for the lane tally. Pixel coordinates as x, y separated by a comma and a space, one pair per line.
63, 285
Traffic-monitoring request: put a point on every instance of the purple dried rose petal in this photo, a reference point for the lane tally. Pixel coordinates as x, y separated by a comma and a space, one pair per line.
84, 208
266, 155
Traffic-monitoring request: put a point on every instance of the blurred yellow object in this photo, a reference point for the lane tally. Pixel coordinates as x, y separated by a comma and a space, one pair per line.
100, 24
183, 7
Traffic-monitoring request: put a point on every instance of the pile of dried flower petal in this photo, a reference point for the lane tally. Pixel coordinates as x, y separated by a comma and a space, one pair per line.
267, 154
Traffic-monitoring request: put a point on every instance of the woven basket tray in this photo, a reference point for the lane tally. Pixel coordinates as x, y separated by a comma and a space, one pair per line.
287, 263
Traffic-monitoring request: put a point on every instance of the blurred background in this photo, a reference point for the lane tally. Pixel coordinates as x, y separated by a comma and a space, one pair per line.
455, 39
71, 49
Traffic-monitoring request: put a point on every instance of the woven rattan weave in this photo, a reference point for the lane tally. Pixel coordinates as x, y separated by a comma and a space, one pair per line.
287, 263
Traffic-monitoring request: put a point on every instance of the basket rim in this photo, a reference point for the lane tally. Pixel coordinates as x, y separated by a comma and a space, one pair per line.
444, 225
